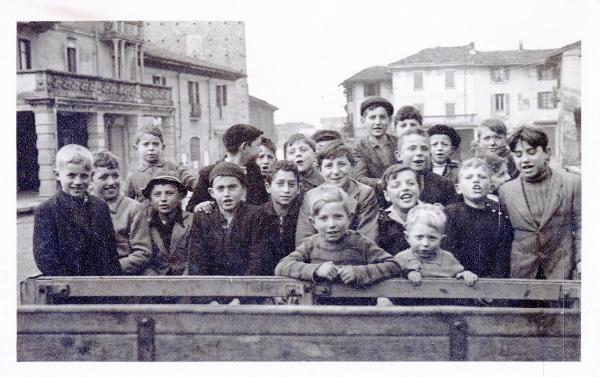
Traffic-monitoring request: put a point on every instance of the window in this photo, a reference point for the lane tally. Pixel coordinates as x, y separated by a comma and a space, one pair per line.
418, 80
371, 89
71, 55
546, 100
500, 103
221, 98
24, 54
348, 93
194, 99
195, 149
159, 80
500, 74
450, 110
547, 72
449, 79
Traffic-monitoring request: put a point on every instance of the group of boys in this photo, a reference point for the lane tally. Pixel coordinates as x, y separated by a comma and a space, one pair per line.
395, 204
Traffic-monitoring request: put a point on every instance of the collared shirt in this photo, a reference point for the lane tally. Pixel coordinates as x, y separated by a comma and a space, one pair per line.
166, 229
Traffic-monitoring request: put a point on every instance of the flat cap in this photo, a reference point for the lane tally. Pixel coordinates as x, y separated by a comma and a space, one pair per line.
163, 180
239, 133
389, 108
227, 169
326, 135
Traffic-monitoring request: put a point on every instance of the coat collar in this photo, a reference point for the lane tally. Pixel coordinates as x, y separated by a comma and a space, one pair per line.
143, 166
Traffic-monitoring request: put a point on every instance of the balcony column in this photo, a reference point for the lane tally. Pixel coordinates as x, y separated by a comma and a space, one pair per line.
96, 132
134, 122
137, 68
142, 62
171, 147
46, 130
116, 53
123, 75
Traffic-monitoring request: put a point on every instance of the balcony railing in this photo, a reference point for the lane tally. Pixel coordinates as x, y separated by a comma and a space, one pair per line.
195, 110
131, 30
43, 84
450, 119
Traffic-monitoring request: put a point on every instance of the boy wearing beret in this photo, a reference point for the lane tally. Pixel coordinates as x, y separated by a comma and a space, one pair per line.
242, 146
229, 241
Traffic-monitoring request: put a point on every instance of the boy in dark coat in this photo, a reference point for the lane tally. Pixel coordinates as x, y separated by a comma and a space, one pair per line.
73, 233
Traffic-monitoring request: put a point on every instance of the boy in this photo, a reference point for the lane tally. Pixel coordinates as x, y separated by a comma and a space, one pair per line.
73, 234
478, 232
544, 206
335, 252
149, 145
491, 139
407, 118
129, 221
283, 208
498, 167
230, 241
376, 152
444, 142
402, 190
335, 165
324, 138
301, 150
414, 151
242, 147
266, 157
169, 225
425, 225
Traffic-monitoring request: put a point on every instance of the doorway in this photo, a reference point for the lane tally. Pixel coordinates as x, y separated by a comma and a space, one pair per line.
27, 153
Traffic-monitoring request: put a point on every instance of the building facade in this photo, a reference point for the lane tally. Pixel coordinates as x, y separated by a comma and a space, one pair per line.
262, 117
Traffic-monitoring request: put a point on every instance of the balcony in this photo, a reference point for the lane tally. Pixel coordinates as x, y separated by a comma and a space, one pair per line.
129, 30
451, 120
43, 85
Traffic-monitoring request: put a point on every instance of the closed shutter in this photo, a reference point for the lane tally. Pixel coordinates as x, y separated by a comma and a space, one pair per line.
493, 104
507, 103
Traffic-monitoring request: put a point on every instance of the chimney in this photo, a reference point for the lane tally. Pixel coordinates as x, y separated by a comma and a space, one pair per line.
520, 45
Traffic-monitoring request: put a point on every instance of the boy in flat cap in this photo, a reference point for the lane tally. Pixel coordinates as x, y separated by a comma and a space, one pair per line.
242, 143
169, 225
230, 241
325, 138
444, 141
375, 152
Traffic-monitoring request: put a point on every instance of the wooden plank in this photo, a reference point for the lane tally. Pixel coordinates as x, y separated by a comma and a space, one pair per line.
543, 348
76, 347
299, 348
77, 321
543, 322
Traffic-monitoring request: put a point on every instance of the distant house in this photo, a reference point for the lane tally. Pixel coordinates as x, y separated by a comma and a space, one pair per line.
372, 81
284, 130
262, 117
461, 86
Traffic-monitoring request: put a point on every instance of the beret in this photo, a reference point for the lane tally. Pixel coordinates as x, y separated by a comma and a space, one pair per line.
163, 179
442, 129
227, 169
326, 135
239, 133
389, 108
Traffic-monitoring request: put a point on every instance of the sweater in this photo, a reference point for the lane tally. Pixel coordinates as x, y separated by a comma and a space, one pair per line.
441, 265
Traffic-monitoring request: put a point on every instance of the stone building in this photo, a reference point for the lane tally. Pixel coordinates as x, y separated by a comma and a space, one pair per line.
262, 117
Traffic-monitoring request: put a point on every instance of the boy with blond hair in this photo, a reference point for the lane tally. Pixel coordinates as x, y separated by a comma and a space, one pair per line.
73, 234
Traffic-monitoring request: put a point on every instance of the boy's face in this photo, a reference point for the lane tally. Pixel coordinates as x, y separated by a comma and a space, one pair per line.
301, 154
252, 149
74, 178
531, 162
165, 198
283, 187
441, 148
423, 239
414, 151
491, 141
149, 148
337, 171
474, 184
405, 125
265, 160
500, 177
228, 192
106, 183
376, 121
402, 190
332, 221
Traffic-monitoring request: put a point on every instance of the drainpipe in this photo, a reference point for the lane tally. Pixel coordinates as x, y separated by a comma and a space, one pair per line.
96, 43
209, 117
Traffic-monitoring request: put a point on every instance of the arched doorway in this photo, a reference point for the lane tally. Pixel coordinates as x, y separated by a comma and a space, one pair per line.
27, 153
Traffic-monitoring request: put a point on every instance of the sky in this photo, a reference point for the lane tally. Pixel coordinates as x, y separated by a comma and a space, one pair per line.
298, 52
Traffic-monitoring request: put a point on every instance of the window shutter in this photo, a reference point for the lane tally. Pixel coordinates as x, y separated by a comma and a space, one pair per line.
507, 74
218, 95
507, 103
190, 92
493, 104
224, 95
492, 75
540, 100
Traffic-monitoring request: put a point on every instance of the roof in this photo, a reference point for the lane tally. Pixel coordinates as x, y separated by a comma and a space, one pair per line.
375, 73
467, 55
565, 48
167, 59
263, 103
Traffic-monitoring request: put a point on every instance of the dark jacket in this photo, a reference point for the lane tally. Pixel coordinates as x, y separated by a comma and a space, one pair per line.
372, 159
255, 187
437, 189
390, 236
74, 237
283, 240
174, 260
241, 249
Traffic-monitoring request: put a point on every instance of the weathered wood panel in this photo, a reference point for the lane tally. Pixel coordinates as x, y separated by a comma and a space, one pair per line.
299, 348
76, 347
543, 348
521, 322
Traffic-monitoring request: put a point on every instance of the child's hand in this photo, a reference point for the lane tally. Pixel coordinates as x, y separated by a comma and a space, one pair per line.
469, 277
346, 273
415, 277
206, 207
235, 301
327, 271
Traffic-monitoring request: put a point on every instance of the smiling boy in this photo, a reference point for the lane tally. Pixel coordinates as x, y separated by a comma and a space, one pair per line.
544, 206
301, 150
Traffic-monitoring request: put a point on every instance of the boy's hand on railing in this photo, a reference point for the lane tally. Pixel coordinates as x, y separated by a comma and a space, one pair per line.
327, 271
206, 207
346, 273
235, 301
415, 277
469, 277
